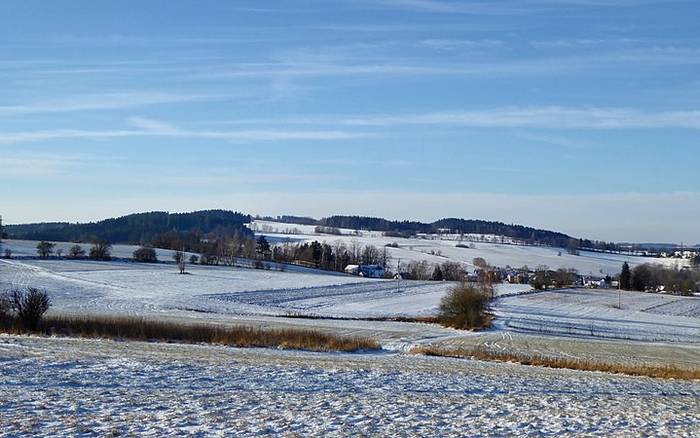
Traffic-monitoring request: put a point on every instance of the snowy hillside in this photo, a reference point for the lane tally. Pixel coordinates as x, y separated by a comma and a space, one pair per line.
438, 249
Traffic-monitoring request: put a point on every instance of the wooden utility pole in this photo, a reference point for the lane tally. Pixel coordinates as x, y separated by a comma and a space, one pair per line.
398, 276
619, 295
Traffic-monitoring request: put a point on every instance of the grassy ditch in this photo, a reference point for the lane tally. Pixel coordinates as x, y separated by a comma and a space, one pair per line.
656, 371
141, 329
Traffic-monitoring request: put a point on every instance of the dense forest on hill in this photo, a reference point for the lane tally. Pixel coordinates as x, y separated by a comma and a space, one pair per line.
458, 226
139, 228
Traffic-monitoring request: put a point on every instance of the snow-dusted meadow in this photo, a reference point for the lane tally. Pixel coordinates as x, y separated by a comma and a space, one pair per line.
594, 313
269, 297
69, 387
435, 249
105, 388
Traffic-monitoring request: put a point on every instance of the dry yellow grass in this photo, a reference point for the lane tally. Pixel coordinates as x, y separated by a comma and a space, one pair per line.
140, 329
657, 371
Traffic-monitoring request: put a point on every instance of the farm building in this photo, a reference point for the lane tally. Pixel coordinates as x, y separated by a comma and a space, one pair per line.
369, 271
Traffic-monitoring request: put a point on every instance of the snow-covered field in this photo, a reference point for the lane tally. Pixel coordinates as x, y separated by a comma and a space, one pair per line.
238, 294
62, 387
69, 387
441, 250
593, 313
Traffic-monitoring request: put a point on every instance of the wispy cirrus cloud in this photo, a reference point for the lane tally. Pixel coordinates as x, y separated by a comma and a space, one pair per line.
457, 44
155, 128
31, 164
104, 101
457, 7
551, 117
507, 7
544, 117
147, 40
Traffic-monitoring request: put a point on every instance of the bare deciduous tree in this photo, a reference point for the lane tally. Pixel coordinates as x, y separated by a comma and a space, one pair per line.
29, 305
44, 249
76, 252
101, 250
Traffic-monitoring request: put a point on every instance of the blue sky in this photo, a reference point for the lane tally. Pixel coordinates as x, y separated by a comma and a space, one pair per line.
576, 115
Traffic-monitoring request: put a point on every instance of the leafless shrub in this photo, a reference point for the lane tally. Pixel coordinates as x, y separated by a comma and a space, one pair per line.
76, 252
101, 250
145, 254
29, 305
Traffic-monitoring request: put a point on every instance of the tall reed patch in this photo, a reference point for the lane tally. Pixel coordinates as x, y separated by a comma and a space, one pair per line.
142, 329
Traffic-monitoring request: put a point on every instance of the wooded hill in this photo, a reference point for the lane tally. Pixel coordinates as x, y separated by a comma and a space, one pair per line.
148, 228
136, 228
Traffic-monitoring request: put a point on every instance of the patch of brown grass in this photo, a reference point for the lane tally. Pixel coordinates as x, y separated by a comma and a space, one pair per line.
417, 319
141, 329
656, 371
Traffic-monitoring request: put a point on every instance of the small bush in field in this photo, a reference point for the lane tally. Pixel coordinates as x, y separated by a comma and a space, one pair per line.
145, 254
29, 305
464, 307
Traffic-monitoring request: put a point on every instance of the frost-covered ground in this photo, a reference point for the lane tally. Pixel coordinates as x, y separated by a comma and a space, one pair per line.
137, 288
260, 297
61, 387
593, 313
441, 250
64, 387
126, 287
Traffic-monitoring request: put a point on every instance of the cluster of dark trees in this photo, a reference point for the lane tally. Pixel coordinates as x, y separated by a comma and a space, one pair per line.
422, 270
140, 228
225, 251
327, 230
100, 250
652, 278
544, 278
219, 249
332, 257
598, 245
